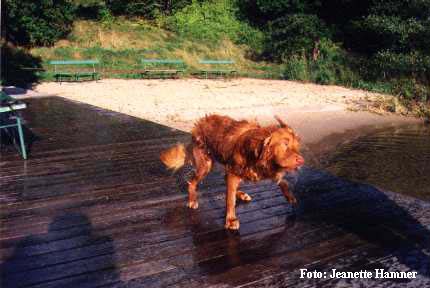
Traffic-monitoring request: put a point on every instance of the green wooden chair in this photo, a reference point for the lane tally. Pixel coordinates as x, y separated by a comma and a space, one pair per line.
9, 120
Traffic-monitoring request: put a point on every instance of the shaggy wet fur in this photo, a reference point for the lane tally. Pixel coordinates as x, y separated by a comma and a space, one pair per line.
247, 151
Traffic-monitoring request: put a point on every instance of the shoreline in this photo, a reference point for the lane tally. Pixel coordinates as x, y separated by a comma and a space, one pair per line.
321, 115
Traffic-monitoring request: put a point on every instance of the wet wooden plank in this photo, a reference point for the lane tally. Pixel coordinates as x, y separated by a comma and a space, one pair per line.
94, 207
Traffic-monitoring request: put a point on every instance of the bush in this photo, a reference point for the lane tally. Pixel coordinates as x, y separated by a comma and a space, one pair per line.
146, 8
395, 65
410, 89
291, 34
260, 12
212, 21
388, 32
295, 68
38, 22
14, 60
322, 73
326, 69
331, 67
91, 9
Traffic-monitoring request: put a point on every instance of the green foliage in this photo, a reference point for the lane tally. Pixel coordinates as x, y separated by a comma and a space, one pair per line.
91, 9
212, 21
147, 8
294, 34
376, 45
295, 68
401, 64
388, 32
379, 87
14, 60
395, 25
410, 89
40, 22
331, 66
260, 12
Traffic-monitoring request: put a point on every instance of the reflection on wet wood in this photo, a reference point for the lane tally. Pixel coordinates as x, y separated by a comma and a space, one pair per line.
93, 206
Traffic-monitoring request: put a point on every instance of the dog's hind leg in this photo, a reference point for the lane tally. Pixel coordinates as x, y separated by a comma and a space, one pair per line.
202, 164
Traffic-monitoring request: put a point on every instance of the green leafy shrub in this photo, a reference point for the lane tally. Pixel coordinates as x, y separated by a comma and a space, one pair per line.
38, 22
212, 21
388, 32
322, 73
91, 9
150, 9
295, 68
397, 65
291, 34
15, 59
331, 66
410, 89
260, 12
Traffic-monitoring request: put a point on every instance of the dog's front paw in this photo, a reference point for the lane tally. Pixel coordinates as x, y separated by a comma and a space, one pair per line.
193, 204
232, 224
292, 200
243, 196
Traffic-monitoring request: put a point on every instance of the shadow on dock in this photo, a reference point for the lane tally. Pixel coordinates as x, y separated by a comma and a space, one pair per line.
75, 251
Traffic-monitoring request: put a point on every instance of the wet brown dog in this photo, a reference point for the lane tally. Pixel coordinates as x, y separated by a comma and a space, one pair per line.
247, 151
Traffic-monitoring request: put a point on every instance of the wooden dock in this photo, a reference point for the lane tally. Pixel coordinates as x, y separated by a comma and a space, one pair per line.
94, 207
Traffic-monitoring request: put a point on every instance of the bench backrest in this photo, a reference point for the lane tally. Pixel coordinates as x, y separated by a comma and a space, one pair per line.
216, 62
74, 62
91, 63
176, 63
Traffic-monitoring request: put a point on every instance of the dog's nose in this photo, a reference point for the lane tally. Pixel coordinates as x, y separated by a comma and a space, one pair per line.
299, 160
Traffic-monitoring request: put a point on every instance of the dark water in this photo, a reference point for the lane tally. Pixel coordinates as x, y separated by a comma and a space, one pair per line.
394, 159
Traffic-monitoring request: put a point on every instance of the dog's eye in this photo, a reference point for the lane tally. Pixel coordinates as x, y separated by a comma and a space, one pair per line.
285, 146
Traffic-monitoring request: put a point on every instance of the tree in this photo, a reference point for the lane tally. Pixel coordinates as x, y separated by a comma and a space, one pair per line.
145, 8
295, 34
38, 22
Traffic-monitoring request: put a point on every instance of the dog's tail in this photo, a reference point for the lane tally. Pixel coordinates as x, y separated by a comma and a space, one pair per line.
174, 157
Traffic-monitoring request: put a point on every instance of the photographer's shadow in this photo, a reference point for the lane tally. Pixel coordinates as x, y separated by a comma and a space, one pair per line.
68, 255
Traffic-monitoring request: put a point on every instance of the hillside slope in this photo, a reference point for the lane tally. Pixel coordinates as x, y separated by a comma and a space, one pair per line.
121, 44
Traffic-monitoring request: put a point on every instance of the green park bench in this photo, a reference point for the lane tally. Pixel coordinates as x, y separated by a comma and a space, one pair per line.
162, 68
10, 120
217, 68
75, 70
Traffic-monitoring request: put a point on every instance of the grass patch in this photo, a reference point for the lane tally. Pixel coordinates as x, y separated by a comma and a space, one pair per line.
121, 44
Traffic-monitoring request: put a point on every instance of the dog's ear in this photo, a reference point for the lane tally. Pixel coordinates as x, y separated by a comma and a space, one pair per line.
257, 148
265, 151
282, 124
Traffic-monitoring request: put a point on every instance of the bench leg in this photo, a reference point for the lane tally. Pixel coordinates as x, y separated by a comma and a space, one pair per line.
21, 138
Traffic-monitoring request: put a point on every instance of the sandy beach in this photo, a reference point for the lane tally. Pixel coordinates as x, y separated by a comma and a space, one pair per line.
314, 111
